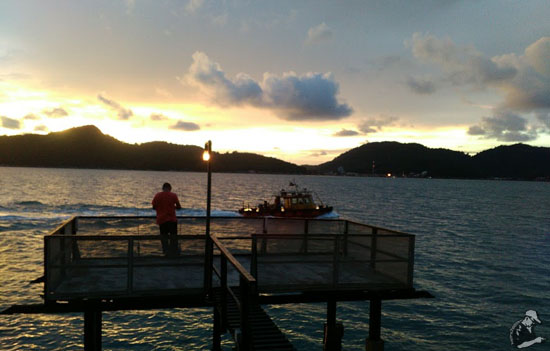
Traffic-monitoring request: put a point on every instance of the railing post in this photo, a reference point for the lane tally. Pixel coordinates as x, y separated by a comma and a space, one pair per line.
62, 253
74, 246
264, 240
46, 268
335, 263
254, 259
411, 261
373, 244
345, 243
223, 297
130, 274
306, 232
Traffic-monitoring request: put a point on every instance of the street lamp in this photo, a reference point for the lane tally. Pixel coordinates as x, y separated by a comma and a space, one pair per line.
208, 245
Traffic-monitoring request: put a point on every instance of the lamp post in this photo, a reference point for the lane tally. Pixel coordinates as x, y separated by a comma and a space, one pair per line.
208, 245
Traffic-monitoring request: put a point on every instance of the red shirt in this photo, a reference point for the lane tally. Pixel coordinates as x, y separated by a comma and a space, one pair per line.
165, 203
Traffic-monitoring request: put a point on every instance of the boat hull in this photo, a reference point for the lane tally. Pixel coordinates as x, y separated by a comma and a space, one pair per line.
303, 213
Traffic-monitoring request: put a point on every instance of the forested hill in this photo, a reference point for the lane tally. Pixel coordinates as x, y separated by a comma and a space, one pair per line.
88, 147
517, 161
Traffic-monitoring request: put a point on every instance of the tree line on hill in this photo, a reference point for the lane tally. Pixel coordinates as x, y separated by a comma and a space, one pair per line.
517, 161
88, 147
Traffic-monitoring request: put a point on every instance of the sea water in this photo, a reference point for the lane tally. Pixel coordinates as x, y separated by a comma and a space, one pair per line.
482, 248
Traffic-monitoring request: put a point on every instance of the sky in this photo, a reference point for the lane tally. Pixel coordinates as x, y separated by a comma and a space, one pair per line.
302, 81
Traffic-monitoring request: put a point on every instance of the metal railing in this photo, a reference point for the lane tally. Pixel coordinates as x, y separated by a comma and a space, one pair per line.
338, 243
247, 296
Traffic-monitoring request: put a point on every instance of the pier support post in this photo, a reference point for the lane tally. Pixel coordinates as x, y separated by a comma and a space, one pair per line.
92, 329
374, 342
217, 337
333, 331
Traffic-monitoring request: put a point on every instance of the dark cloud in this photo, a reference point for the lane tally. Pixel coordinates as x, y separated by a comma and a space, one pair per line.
375, 124
57, 112
307, 97
504, 126
187, 126
346, 133
123, 113
31, 116
209, 76
158, 117
421, 86
10, 123
318, 153
476, 130
292, 97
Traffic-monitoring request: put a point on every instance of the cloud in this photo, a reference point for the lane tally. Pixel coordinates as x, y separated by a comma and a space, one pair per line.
41, 128
123, 113
187, 126
346, 133
318, 153
421, 86
530, 89
209, 76
538, 56
56, 112
31, 116
375, 124
158, 117
504, 126
130, 6
10, 123
523, 80
318, 34
193, 5
464, 65
292, 97
544, 118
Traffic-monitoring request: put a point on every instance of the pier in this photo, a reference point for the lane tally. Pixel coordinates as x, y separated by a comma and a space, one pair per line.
95, 264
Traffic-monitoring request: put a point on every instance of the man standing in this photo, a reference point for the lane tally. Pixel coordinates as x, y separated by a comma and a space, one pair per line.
166, 203
522, 333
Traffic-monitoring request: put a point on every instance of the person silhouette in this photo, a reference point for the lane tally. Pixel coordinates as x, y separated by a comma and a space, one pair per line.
165, 204
522, 333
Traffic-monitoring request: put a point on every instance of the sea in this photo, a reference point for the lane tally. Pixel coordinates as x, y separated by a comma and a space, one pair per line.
482, 249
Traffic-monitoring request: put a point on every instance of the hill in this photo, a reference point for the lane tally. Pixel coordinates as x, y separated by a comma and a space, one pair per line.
517, 161
514, 161
88, 147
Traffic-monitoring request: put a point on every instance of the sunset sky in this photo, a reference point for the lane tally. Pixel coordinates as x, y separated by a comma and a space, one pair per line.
302, 81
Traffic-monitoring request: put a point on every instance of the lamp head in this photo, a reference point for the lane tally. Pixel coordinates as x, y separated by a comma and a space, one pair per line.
207, 151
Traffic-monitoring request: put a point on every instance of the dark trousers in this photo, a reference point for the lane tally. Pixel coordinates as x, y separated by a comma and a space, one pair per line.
169, 239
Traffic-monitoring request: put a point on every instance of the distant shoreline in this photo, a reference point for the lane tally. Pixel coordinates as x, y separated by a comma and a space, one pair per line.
541, 179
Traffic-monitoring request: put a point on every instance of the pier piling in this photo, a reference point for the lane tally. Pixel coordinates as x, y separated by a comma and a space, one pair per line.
374, 342
334, 331
92, 329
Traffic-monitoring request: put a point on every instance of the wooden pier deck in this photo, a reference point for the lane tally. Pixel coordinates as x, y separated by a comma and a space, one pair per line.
105, 263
